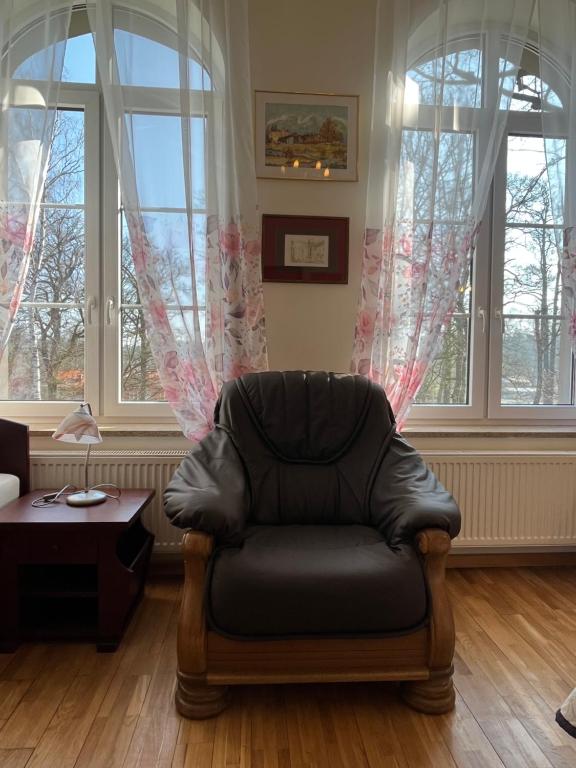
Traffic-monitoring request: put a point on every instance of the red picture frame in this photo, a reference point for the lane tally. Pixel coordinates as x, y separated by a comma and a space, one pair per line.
305, 249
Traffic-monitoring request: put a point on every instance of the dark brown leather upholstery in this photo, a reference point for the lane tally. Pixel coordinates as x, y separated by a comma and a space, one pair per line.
288, 580
314, 500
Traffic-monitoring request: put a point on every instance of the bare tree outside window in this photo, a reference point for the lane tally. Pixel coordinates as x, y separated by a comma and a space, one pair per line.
536, 365
536, 358
45, 355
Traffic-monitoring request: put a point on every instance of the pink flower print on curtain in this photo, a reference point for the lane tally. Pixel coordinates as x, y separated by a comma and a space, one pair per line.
430, 175
27, 115
180, 359
15, 248
568, 269
375, 292
230, 341
410, 285
194, 229
235, 332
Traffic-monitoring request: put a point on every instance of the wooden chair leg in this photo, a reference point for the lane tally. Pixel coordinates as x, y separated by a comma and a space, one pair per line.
436, 695
194, 697
197, 700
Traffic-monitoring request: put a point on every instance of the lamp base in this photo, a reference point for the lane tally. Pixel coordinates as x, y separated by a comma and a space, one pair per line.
85, 498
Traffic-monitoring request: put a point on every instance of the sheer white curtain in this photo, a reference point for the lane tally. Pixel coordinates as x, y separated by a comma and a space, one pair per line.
180, 117
553, 36
27, 114
439, 113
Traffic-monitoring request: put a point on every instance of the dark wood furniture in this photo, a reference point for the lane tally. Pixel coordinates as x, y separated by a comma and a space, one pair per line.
71, 571
15, 452
208, 662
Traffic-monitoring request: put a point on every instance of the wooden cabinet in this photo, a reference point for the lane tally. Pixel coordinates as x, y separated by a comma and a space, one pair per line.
70, 572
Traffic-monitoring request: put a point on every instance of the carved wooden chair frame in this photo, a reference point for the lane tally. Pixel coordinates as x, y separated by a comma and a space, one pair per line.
208, 663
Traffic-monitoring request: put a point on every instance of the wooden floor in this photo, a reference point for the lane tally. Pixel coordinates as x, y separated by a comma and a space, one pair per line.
68, 707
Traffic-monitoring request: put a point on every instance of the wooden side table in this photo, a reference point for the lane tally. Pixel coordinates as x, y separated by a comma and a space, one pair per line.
71, 571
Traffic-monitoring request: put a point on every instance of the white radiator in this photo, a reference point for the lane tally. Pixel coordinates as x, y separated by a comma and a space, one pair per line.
127, 469
509, 500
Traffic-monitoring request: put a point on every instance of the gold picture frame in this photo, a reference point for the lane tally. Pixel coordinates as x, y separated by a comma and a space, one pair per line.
306, 136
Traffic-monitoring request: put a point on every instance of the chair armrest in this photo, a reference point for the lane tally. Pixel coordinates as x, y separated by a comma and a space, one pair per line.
196, 548
407, 497
209, 491
434, 545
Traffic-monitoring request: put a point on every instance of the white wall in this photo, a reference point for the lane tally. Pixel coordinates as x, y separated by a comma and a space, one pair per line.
316, 46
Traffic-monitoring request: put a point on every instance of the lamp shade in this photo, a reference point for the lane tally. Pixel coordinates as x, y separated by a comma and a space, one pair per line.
79, 427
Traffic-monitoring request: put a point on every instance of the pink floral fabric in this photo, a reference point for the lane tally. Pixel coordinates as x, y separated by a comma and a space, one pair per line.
230, 342
568, 268
199, 283
410, 284
429, 180
15, 247
235, 328
24, 162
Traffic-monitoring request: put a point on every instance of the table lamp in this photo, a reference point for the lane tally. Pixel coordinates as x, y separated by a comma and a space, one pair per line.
80, 427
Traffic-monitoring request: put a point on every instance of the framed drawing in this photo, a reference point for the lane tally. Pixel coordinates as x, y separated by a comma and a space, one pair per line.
306, 136
304, 249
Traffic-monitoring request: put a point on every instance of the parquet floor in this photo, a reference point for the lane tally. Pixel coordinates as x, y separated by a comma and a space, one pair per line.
65, 706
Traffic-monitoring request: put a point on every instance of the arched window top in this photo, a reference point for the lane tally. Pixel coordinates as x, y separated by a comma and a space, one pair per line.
79, 62
531, 92
458, 77
453, 78
146, 56
146, 62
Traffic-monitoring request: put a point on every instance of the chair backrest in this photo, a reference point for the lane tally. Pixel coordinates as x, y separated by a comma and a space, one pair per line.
311, 443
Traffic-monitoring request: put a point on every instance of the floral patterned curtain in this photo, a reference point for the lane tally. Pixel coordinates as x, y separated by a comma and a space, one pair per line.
27, 115
181, 126
435, 138
555, 32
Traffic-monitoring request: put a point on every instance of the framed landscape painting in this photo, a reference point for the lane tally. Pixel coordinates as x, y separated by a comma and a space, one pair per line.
304, 249
306, 136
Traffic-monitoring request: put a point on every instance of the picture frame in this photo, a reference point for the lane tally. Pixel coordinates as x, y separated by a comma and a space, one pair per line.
306, 136
305, 249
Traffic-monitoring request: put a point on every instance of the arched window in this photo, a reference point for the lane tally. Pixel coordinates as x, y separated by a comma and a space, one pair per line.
81, 269
506, 351
79, 62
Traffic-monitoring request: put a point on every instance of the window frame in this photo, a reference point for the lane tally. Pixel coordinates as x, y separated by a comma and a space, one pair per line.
102, 342
485, 339
84, 97
479, 315
162, 101
518, 124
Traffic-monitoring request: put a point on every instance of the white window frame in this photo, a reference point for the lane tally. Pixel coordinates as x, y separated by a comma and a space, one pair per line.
85, 97
102, 350
162, 101
485, 353
474, 408
519, 124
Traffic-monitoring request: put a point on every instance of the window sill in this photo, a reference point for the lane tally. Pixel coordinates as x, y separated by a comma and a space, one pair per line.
120, 430
411, 431
489, 430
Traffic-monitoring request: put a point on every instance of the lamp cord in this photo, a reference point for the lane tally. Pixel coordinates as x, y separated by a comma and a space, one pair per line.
54, 496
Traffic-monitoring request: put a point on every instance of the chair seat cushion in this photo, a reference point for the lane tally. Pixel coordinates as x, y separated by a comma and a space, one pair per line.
315, 579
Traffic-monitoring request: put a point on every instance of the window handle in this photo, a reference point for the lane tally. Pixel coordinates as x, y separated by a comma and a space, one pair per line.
482, 317
110, 307
90, 305
499, 316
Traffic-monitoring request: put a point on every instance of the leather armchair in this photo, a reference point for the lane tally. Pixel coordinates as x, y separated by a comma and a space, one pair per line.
315, 547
